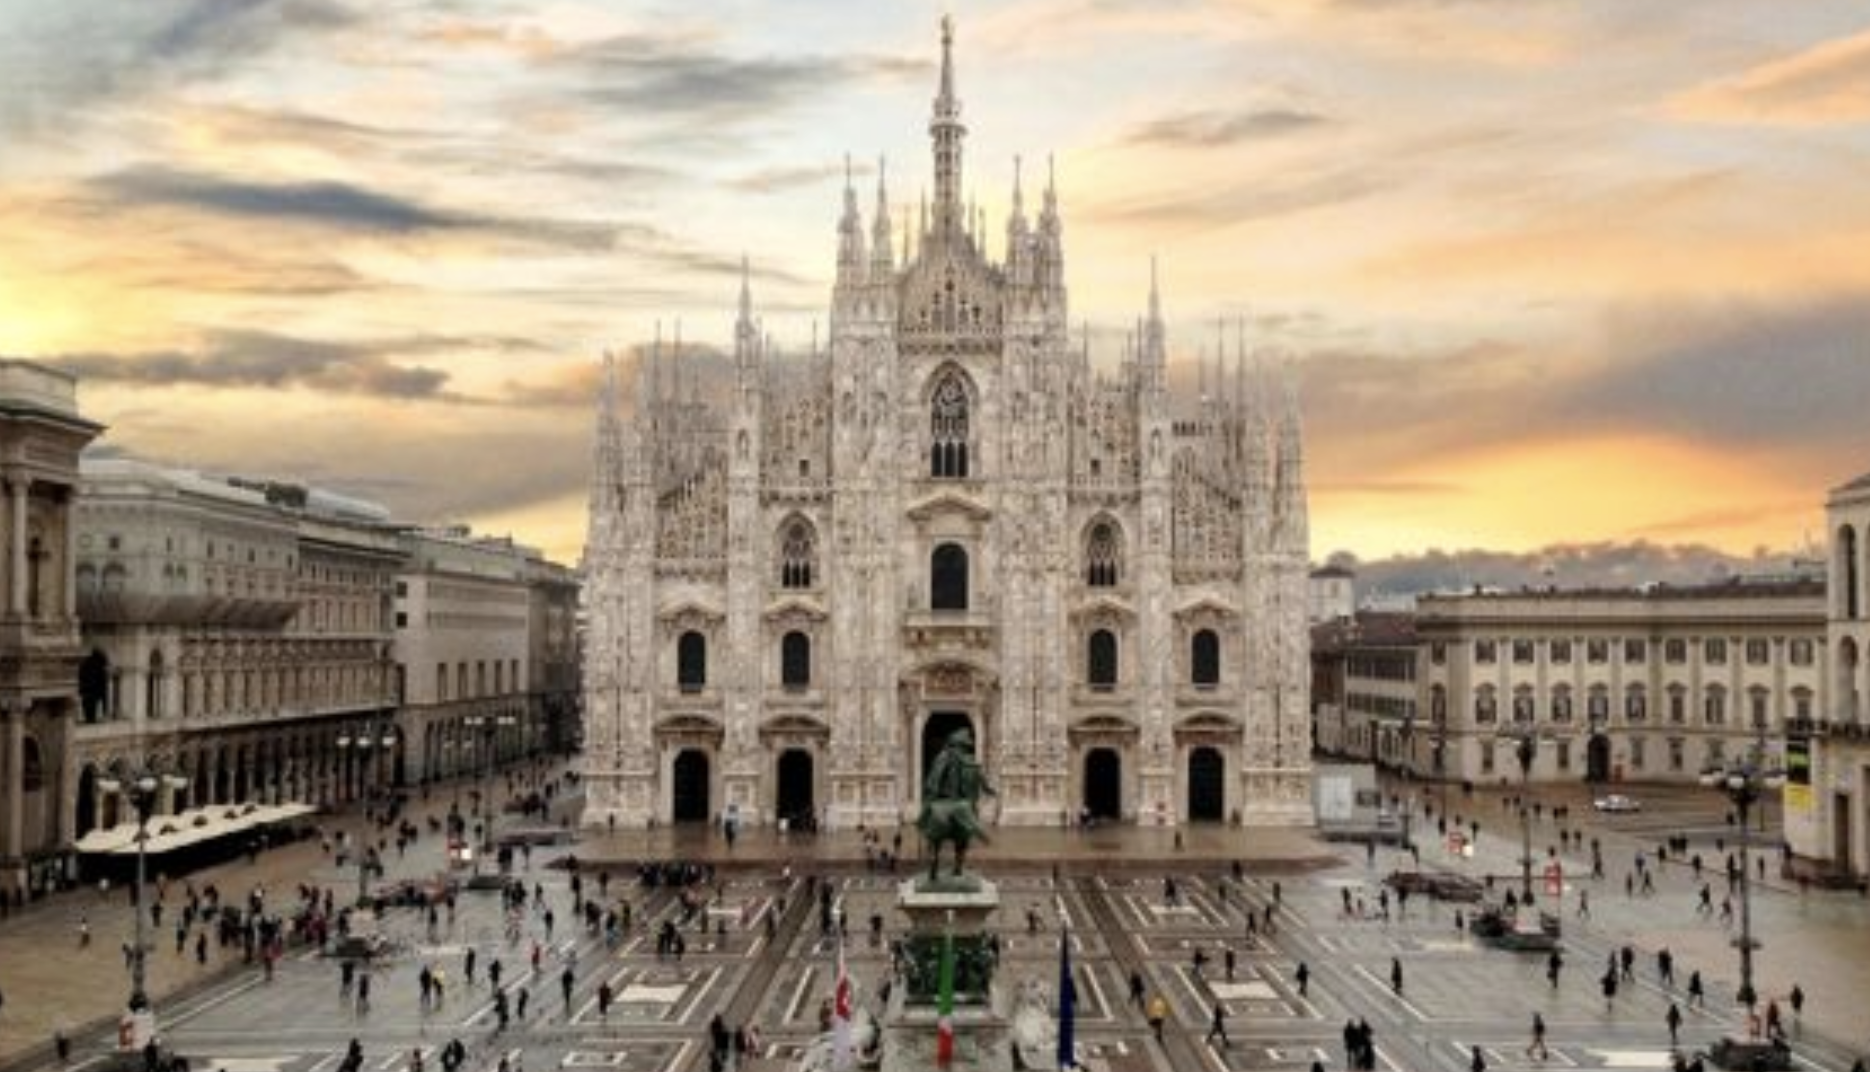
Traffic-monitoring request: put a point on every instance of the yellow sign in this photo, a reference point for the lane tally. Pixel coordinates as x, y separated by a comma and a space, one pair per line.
1798, 797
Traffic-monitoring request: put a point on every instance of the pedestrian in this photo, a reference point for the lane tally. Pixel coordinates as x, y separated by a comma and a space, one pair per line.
604, 994
470, 965
1584, 903
566, 981
1696, 996
1227, 961
84, 930
1476, 1063
1158, 1012
1304, 976
1538, 1039
363, 993
1396, 977
1610, 989
525, 995
1137, 997
1665, 966
1797, 998
1553, 964
1674, 1019
201, 949
1217, 1027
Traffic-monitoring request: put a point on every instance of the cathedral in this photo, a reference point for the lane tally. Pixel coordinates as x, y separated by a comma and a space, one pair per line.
948, 519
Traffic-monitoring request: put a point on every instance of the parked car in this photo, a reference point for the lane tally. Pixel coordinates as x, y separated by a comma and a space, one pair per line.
1441, 885
1615, 803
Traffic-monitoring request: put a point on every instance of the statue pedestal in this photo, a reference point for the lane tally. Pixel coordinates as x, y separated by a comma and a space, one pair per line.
935, 909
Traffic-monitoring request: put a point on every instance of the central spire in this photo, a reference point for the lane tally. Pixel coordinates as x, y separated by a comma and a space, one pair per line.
946, 132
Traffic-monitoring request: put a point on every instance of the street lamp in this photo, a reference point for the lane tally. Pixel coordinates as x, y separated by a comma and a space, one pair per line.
1745, 785
1525, 750
489, 725
364, 741
142, 789
1408, 761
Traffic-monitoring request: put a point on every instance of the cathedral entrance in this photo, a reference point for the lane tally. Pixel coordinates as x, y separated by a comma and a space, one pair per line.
794, 801
935, 734
1207, 785
1597, 758
1103, 785
689, 792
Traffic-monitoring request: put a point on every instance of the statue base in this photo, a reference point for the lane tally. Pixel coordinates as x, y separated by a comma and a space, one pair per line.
958, 905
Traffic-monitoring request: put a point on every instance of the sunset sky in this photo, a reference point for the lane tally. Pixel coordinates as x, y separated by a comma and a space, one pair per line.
1549, 270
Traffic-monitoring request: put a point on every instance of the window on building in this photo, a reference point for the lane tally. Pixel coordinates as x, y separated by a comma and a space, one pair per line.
1675, 651
1757, 706
1802, 703
1597, 704
1101, 659
1522, 651
1486, 757
461, 681
1714, 705
1635, 704
797, 555
1677, 750
1438, 704
1102, 556
1714, 650
1758, 651
480, 677
1561, 652
1563, 755
1635, 651
499, 678
1800, 652
795, 660
402, 589
948, 577
691, 661
1636, 753
1597, 652
1485, 651
1678, 704
1524, 710
513, 676
1486, 704
1715, 753
402, 620
1561, 703
1204, 658
948, 427
1438, 653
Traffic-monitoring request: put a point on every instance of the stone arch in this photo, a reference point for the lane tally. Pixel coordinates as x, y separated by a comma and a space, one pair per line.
951, 399
798, 552
1103, 552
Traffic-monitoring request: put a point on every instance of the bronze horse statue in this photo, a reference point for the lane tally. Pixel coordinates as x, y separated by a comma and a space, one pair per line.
950, 798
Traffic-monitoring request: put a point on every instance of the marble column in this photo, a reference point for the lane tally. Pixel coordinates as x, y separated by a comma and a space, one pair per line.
16, 593
13, 754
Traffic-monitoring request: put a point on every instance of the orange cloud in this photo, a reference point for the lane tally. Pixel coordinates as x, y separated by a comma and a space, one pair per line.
1826, 84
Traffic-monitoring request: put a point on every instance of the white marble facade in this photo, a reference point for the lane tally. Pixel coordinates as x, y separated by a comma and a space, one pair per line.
947, 518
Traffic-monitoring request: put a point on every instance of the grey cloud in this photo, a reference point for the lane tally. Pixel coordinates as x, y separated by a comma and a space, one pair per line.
57, 58
775, 179
681, 77
333, 204
1260, 199
253, 359
1209, 129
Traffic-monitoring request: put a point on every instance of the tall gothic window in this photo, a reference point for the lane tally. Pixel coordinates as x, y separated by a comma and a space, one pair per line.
795, 660
1101, 659
691, 662
1102, 556
948, 407
796, 556
1205, 658
948, 577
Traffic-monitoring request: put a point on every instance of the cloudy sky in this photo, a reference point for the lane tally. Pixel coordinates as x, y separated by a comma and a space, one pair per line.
1549, 269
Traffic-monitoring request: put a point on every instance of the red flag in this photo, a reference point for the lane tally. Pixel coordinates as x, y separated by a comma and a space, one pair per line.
944, 1040
841, 1016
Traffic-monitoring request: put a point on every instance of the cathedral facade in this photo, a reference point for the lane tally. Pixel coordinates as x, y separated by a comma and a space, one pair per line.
947, 519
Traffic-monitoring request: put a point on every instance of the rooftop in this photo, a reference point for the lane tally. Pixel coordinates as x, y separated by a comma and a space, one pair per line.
1367, 629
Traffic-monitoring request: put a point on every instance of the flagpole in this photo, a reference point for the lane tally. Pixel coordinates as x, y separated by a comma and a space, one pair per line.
944, 1038
1067, 993
841, 1012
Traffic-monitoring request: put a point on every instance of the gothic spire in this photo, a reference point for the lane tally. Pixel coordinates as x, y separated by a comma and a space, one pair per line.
850, 234
746, 334
946, 134
1289, 497
1154, 345
882, 257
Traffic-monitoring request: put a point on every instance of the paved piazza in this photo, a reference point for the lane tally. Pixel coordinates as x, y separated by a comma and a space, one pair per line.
756, 953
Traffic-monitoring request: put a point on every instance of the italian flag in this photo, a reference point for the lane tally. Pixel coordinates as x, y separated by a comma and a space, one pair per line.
944, 1038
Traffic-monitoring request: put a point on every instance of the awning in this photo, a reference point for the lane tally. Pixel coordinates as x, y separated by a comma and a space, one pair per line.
108, 838
196, 825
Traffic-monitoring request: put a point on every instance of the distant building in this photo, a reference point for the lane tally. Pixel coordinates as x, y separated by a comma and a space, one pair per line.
1364, 686
1333, 593
41, 433
1649, 684
1827, 796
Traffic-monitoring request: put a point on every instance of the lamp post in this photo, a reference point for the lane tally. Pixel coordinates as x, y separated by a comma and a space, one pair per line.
141, 788
1408, 761
363, 743
489, 725
1525, 750
1746, 784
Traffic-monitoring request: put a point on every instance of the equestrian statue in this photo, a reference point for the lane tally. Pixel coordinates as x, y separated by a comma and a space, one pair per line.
950, 802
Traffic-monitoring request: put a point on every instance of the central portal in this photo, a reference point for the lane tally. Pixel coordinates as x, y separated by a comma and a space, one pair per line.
935, 733
1103, 784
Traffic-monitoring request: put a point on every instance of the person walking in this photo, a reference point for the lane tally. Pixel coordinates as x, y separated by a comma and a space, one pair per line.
1158, 1013
1137, 997
1227, 962
1396, 975
1797, 1000
1477, 1062
566, 981
1536, 1050
604, 996
1696, 995
1304, 977
1553, 964
1217, 1026
1674, 1019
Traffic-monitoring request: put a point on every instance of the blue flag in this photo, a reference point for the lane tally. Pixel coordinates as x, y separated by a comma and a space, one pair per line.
1067, 1004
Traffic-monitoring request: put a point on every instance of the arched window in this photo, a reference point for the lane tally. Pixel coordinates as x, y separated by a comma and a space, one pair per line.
948, 415
1101, 659
32, 766
1438, 704
1103, 556
796, 555
1523, 710
152, 706
1204, 658
1847, 571
1561, 703
795, 660
1714, 705
1486, 704
948, 577
691, 662
1635, 703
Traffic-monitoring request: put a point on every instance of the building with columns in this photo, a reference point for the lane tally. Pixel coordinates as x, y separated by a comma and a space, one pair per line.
1645, 684
478, 687
1827, 796
948, 520
41, 434
235, 632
